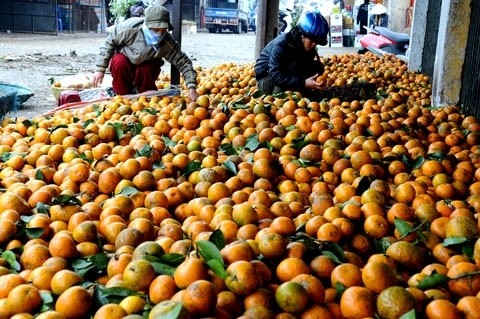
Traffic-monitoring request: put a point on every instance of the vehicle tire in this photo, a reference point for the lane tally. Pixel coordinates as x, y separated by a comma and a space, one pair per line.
244, 28
212, 30
238, 28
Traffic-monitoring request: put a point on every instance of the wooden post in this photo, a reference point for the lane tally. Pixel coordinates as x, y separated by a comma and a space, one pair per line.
267, 20
177, 34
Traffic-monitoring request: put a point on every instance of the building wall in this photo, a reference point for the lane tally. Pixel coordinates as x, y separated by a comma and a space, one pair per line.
398, 12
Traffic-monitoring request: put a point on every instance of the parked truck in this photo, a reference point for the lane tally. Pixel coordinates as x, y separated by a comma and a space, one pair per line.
222, 15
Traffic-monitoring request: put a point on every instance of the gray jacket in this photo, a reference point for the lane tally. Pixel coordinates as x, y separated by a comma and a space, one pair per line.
127, 38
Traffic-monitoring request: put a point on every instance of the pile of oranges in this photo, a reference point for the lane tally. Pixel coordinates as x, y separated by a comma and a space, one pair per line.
243, 205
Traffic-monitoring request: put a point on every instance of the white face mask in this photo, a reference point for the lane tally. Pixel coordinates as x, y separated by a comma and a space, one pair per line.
151, 37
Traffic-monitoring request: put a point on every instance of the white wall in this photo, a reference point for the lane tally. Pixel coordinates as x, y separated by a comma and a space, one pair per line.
397, 10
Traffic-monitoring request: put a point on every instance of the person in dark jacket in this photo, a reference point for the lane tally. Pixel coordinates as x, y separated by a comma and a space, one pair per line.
134, 52
290, 61
362, 16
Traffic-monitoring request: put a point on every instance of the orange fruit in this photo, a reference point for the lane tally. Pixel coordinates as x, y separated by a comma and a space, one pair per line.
357, 302
260, 297
376, 226
316, 311
242, 277
296, 249
442, 308
329, 232
108, 180
110, 310
461, 226
394, 301
50, 314
11, 200
200, 297
290, 267
467, 285
258, 311
271, 245
263, 168
469, 306
138, 275
162, 288
64, 279
228, 301
63, 245
41, 277
79, 172
190, 270
34, 256
129, 237
8, 282
5, 311
313, 286
133, 304
291, 297
404, 193
9, 229
237, 250
378, 276
86, 231
24, 298
406, 253
322, 266
347, 275
244, 213
166, 307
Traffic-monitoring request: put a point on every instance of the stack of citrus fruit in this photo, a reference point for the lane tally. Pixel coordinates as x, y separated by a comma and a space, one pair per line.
243, 205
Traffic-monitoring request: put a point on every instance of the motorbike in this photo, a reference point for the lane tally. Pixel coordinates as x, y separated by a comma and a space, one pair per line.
381, 41
282, 23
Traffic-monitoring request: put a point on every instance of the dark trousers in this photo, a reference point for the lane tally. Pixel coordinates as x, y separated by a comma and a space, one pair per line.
267, 87
129, 78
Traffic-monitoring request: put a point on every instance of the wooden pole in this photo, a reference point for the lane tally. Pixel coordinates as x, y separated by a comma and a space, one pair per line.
267, 21
177, 34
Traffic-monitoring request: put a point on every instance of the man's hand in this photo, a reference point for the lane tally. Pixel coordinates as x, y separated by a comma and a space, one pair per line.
192, 93
312, 84
98, 78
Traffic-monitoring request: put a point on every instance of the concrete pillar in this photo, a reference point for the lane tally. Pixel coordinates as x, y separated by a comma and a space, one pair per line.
417, 38
397, 12
267, 20
450, 52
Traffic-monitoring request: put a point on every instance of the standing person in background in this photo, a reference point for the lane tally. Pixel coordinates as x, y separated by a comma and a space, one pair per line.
108, 14
137, 10
134, 51
362, 16
379, 16
290, 61
59, 19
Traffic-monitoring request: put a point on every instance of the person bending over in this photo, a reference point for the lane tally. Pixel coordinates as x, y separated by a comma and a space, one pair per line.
134, 52
290, 61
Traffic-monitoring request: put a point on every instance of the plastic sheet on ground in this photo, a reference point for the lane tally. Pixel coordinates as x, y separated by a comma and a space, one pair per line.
12, 96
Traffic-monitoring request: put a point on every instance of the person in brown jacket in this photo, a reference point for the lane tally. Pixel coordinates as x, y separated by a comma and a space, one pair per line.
135, 51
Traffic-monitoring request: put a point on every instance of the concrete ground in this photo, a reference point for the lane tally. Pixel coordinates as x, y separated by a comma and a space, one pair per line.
221, 47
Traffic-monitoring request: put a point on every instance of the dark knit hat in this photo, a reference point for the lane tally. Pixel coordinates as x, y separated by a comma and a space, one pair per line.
157, 17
